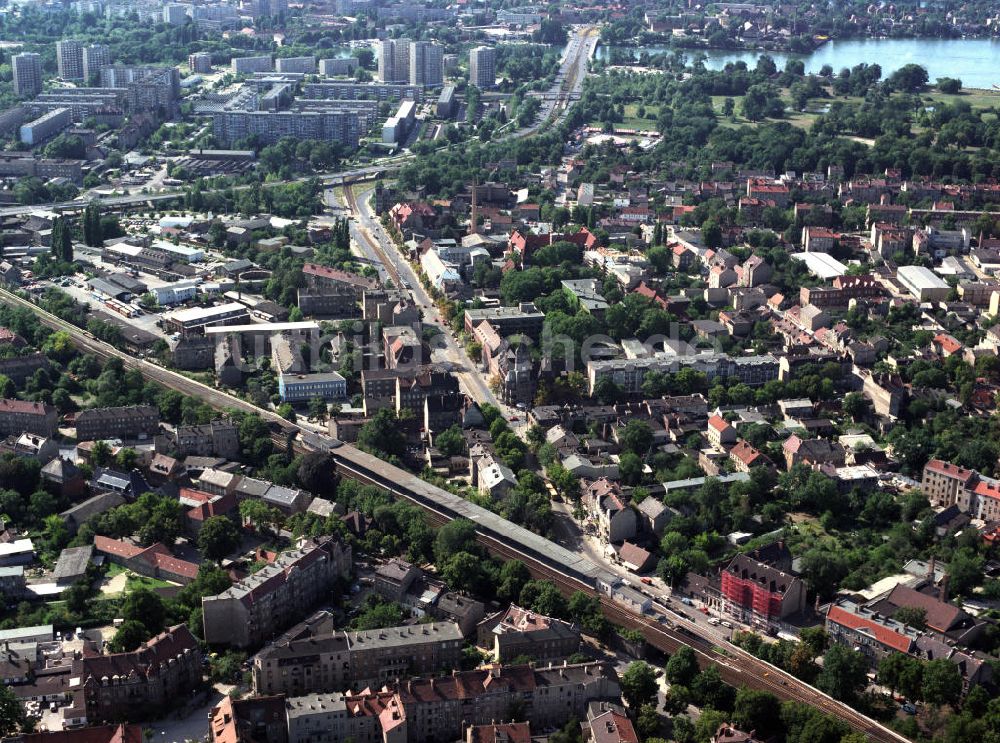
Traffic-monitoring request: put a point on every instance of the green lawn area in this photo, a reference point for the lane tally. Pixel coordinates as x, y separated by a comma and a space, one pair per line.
136, 582
975, 98
801, 119
718, 104
632, 120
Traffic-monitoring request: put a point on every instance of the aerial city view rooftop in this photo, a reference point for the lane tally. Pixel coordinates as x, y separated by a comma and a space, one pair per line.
405, 371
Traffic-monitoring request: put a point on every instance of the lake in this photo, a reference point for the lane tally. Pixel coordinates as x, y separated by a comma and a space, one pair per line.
976, 62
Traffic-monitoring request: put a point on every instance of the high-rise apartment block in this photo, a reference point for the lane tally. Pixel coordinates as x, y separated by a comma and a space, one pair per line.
426, 64
148, 88
175, 14
483, 67
201, 62
95, 57
27, 73
262, 8
69, 57
393, 60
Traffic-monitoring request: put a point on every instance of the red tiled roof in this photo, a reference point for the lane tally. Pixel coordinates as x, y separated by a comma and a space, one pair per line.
988, 489
746, 453
633, 554
646, 291
173, 565
116, 547
948, 343
822, 232
156, 555
792, 444
612, 727
880, 632
718, 423
23, 406
98, 734
510, 732
209, 505
949, 470
346, 277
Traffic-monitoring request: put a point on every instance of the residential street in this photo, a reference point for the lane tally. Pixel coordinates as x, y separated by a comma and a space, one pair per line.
367, 231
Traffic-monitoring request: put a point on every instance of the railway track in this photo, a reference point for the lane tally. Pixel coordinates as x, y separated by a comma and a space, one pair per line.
752, 672
169, 379
735, 665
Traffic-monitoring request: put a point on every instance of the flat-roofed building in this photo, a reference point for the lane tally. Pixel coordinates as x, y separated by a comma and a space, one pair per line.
524, 319
46, 126
69, 59
338, 66
296, 387
629, 374
95, 56
923, 283
194, 320
483, 67
200, 63
305, 65
447, 105
249, 65
26, 69
364, 91
343, 127
426, 63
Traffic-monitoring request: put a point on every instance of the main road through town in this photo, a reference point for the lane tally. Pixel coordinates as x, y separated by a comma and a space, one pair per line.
377, 248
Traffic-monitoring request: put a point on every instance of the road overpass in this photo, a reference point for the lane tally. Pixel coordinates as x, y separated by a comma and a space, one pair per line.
132, 201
